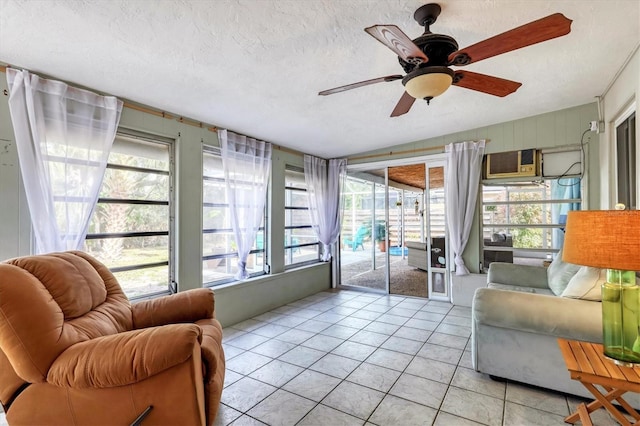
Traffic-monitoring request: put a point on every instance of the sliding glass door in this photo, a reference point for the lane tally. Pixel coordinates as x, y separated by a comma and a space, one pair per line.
393, 236
363, 237
407, 276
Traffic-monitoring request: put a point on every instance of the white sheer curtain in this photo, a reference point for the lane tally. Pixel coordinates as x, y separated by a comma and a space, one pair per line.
464, 167
63, 136
324, 187
247, 166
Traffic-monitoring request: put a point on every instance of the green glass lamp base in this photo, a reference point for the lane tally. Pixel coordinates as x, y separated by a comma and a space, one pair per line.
621, 317
623, 363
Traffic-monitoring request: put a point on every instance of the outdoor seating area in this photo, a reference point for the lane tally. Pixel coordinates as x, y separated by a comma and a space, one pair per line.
405, 279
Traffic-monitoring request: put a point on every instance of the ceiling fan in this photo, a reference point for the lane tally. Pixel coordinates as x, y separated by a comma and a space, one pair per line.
426, 59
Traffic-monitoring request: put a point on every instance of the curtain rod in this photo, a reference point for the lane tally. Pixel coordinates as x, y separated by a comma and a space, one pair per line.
408, 151
391, 153
163, 114
152, 111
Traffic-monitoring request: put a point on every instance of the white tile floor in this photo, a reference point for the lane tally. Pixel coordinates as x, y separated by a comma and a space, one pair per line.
353, 358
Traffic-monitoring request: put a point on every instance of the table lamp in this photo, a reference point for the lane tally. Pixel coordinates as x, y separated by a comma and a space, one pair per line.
611, 239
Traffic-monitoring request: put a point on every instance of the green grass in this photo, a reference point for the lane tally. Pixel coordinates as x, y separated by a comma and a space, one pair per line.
140, 281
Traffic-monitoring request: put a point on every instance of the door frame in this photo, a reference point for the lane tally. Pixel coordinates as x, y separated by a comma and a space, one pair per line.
440, 159
431, 270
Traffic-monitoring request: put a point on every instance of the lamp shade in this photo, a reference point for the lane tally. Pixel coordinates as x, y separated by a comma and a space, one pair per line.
428, 82
603, 239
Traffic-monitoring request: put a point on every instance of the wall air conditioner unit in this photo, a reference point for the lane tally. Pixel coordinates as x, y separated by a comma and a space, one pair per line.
512, 164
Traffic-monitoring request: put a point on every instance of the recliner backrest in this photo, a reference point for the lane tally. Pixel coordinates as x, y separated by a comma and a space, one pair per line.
50, 302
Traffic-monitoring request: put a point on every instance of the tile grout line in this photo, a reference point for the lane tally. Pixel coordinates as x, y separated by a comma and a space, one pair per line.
451, 312
292, 312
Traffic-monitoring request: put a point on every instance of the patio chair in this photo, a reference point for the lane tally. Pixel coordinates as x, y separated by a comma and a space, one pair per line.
358, 239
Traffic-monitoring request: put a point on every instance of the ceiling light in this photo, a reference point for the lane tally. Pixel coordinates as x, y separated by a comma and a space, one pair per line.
428, 82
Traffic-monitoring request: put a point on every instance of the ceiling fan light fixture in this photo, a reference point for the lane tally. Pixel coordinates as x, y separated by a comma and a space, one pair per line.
428, 82
426, 59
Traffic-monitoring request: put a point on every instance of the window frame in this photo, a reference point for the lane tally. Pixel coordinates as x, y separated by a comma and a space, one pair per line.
215, 151
289, 248
545, 202
170, 203
630, 157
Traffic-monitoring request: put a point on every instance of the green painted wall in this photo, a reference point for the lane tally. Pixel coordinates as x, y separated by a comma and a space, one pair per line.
238, 302
15, 223
234, 303
551, 130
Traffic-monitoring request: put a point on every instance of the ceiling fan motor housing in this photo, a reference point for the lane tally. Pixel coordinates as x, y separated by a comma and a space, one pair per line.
437, 47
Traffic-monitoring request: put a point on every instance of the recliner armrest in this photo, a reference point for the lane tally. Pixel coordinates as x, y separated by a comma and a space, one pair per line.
186, 306
518, 275
124, 358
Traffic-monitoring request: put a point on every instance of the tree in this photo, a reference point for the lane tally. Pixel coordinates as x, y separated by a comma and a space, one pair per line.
526, 214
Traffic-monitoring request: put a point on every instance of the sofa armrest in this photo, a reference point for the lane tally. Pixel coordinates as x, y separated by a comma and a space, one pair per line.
186, 306
518, 275
124, 358
538, 313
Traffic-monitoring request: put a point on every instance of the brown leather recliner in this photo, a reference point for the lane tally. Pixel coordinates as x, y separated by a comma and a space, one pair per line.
74, 351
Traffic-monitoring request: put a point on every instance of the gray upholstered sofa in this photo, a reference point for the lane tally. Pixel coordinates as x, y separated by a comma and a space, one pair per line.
518, 317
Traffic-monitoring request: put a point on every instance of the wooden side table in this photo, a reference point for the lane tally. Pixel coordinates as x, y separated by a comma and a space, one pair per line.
587, 364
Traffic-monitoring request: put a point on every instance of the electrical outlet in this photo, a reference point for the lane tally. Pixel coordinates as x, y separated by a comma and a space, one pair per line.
593, 126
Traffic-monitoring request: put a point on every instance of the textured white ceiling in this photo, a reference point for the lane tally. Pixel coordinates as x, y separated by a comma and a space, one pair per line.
255, 66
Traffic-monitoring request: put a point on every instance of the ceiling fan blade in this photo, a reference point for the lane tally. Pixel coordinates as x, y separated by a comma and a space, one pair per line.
485, 83
544, 29
393, 37
404, 105
360, 84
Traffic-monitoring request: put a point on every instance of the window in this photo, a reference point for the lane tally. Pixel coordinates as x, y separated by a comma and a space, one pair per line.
131, 227
300, 242
523, 222
626, 162
219, 250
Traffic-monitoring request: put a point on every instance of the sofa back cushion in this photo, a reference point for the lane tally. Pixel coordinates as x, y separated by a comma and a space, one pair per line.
586, 283
559, 274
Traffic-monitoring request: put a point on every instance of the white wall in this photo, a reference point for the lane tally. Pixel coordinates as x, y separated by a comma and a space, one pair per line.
624, 91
